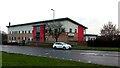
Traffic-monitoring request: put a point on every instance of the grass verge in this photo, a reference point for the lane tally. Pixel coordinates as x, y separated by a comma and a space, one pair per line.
10, 59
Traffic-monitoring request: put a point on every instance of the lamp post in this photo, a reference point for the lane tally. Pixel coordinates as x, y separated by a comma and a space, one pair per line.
53, 13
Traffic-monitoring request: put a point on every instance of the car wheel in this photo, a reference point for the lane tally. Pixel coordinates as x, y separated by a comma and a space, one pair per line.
64, 48
69, 48
55, 47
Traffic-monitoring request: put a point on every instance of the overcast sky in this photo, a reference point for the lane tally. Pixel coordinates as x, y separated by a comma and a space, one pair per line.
90, 13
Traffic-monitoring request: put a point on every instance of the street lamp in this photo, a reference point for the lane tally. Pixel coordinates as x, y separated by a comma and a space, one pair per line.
53, 13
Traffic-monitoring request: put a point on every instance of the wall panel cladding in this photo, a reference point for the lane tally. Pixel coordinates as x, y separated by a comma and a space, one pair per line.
34, 33
42, 33
80, 33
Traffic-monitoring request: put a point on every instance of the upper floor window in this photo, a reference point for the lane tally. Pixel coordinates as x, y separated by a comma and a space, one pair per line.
10, 32
29, 31
15, 32
14, 38
38, 29
63, 30
50, 30
70, 30
75, 30
23, 32
19, 32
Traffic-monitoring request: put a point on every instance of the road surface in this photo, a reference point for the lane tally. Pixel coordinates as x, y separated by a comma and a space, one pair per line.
88, 56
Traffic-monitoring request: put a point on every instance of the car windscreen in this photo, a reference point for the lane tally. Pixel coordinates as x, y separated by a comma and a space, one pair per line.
59, 43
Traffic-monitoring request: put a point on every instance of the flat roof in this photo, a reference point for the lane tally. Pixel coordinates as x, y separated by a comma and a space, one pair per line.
90, 35
46, 21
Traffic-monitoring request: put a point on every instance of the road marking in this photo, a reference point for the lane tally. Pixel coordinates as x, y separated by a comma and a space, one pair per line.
88, 53
56, 57
46, 53
50, 56
89, 61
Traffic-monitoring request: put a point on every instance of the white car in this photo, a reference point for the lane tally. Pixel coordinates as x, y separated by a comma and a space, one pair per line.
61, 45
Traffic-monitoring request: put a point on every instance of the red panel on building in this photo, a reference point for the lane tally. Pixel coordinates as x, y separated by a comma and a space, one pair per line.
42, 33
34, 33
80, 33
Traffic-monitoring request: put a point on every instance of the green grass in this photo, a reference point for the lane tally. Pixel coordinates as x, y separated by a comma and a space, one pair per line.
95, 48
0, 59
10, 59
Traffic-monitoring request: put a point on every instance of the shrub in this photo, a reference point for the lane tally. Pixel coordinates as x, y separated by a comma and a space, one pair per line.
104, 43
42, 44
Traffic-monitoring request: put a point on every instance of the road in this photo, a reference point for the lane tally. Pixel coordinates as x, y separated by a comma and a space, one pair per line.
88, 56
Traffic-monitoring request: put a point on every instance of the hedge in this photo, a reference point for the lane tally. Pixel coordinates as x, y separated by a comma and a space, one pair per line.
104, 43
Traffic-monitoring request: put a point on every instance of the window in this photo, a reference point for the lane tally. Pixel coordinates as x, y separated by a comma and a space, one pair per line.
63, 30
9, 38
28, 39
18, 38
29, 31
23, 32
55, 30
19, 32
12, 38
38, 29
46, 31
70, 30
24, 38
10, 32
50, 30
89, 38
75, 30
15, 32
70, 35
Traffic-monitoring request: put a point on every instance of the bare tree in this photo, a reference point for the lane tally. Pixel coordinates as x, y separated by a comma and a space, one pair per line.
109, 31
54, 29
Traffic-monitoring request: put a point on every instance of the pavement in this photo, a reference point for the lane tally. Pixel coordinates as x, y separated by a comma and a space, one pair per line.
108, 58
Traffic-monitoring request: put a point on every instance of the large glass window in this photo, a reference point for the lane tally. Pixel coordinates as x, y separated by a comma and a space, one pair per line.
38, 29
